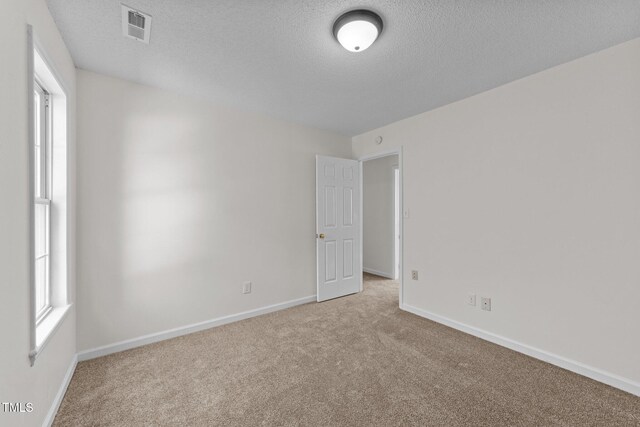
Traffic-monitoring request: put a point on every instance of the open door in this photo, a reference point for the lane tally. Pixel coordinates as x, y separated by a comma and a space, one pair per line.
339, 270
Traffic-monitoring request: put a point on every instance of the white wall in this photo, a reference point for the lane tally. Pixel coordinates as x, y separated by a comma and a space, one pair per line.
378, 215
530, 194
181, 202
18, 381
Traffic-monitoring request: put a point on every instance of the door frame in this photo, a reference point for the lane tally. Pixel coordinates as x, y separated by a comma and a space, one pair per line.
361, 160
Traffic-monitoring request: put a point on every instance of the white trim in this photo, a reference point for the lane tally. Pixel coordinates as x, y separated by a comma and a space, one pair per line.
378, 273
51, 65
596, 374
184, 330
396, 151
51, 415
32, 249
45, 330
361, 173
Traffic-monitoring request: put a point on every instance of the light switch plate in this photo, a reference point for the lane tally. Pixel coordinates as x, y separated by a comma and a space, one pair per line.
246, 288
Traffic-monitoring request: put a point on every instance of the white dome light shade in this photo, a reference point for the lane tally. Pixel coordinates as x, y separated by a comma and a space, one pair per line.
356, 36
357, 30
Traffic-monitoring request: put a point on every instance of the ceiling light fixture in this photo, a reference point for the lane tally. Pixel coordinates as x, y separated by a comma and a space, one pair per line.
356, 30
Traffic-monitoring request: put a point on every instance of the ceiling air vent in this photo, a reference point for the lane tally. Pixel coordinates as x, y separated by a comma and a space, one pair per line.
135, 24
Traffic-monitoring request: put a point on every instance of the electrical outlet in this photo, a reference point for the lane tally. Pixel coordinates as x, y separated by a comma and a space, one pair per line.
246, 288
486, 304
471, 299
414, 274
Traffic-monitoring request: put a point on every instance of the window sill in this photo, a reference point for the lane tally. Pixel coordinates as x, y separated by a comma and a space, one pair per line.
46, 328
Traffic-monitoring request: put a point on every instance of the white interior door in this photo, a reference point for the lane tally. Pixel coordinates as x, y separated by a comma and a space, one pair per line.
338, 219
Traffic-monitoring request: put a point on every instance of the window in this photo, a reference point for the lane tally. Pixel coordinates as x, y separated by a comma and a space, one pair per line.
48, 212
42, 200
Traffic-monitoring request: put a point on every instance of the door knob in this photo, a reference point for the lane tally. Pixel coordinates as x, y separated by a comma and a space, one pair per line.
321, 235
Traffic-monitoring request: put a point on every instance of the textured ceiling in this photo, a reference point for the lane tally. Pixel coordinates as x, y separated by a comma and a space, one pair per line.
279, 56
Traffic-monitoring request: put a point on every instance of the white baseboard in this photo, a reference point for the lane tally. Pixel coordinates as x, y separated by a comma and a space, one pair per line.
570, 365
378, 273
184, 330
51, 415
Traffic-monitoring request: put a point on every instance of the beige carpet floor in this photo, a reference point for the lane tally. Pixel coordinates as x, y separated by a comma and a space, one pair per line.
356, 360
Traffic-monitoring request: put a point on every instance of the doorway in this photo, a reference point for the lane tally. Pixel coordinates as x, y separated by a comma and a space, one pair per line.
342, 258
382, 219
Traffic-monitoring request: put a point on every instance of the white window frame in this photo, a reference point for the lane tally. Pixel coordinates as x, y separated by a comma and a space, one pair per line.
42, 195
50, 191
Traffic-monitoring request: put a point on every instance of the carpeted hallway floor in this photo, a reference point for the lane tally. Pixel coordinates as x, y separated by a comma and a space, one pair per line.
356, 360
